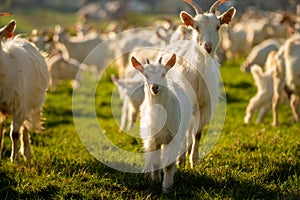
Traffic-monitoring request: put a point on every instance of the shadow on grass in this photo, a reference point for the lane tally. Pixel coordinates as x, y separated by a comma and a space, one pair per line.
187, 184
47, 192
230, 98
7, 184
57, 116
282, 173
8, 191
95, 177
228, 188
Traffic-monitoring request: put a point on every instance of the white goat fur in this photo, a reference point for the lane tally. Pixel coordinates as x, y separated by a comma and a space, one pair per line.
61, 68
23, 83
258, 55
287, 75
77, 48
164, 120
263, 98
231, 40
131, 92
197, 64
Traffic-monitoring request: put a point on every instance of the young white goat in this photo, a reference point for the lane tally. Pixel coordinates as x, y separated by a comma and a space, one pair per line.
23, 82
263, 98
258, 55
262, 101
197, 64
165, 118
287, 75
132, 93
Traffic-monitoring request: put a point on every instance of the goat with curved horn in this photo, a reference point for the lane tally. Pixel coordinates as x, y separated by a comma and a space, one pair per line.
215, 5
195, 6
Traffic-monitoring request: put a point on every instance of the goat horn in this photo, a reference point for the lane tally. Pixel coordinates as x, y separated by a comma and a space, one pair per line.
195, 6
159, 61
215, 5
147, 60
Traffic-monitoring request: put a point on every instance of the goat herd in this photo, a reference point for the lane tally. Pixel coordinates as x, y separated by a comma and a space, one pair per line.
179, 81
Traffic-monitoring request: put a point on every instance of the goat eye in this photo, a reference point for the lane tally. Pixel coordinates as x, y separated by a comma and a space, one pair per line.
163, 75
218, 27
198, 28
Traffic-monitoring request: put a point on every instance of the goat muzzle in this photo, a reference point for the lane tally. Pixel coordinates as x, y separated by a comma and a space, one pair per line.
154, 88
208, 47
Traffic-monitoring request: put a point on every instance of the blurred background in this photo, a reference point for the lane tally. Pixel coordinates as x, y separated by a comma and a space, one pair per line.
255, 20
142, 5
96, 9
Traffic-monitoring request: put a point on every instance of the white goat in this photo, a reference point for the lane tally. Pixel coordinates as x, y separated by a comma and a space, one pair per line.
132, 93
263, 98
77, 48
23, 82
232, 40
137, 41
166, 114
259, 53
197, 64
102, 55
61, 68
287, 75
262, 101
181, 33
129, 87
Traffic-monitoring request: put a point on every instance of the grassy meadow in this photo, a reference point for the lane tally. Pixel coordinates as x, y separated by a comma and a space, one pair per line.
248, 162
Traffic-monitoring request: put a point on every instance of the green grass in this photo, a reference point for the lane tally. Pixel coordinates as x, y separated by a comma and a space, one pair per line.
248, 161
43, 19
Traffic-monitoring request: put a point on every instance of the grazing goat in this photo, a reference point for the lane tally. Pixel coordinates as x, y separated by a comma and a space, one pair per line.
132, 93
23, 82
166, 113
61, 68
197, 64
287, 75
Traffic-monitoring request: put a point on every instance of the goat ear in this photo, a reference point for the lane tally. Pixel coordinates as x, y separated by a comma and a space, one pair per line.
227, 16
187, 19
171, 62
136, 64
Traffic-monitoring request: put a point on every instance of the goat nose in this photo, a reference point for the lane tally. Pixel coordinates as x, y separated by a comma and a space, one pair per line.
155, 89
208, 46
